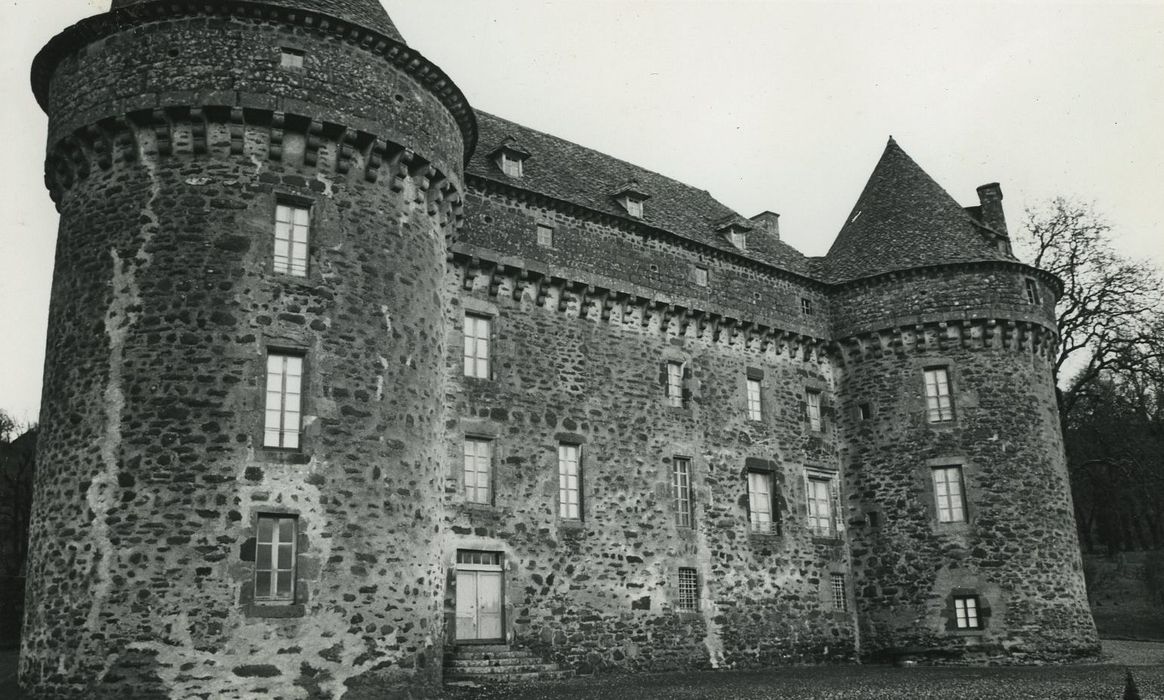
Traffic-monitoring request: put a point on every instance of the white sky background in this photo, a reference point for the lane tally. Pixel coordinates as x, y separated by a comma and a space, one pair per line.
767, 104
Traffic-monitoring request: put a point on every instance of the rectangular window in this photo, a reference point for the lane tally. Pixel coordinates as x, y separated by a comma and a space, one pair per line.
477, 337
820, 506
966, 610
738, 239
291, 58
840, 599
569, 481
1032, 291
688, 590
478, 470
812, 399
948, 494
284, 397
292, 225
634, 207
806, 306
511, 166
275, 559
864, 411
755, 405
939, 404
675, 384
545, 236
701, 276
761, 514
681, 482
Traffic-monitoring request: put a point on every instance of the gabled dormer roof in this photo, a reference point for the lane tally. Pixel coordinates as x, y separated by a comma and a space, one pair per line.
512, 147
630, 189
903, 219
366, 13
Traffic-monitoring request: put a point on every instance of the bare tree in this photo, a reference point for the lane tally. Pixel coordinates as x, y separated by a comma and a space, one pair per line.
1108, 315
17, 465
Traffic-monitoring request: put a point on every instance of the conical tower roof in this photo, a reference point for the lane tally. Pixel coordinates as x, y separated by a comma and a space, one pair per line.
366, 13
903, 219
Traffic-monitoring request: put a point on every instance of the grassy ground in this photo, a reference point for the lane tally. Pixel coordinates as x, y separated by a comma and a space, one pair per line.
1119, 598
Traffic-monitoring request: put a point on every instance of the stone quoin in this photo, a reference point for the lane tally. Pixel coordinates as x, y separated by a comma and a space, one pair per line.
343, 376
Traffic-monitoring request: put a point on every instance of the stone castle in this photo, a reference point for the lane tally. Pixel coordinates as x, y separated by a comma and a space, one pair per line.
344, 378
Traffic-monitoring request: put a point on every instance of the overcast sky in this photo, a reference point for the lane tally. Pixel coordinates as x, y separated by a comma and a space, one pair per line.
767, 104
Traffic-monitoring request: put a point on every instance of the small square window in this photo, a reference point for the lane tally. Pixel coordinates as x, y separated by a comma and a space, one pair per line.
812, 404
545, 236
701, 275
966, 612
292, 228
840, 595
806, 306
864, 411
1032, 288
478, 332
275, 559
478, 470
291, 58
688, 590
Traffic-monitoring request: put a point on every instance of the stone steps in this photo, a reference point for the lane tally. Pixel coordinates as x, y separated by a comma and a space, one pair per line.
496, 663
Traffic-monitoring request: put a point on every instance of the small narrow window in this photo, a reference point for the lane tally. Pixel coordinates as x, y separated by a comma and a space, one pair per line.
545, 236
478, 330
864, 411
292, 225
812, 404
275, 559
820, 506
478, 470
761, 510
755, 405
840, 597
291, 58
806, 306
1032, 291
939, 404
949, 495
688, 589
675, 384
511, 165
283, 401
966, 612
701, 276
569, 481
681, 482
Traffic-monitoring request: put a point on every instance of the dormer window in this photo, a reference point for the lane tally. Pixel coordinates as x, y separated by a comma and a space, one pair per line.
739, 239
510, 158
735, 230
631, 198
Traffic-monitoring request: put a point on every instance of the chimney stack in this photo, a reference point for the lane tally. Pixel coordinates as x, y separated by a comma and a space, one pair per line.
769, 222
990, 197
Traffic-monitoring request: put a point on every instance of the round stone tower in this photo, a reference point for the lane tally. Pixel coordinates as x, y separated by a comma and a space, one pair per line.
963, 540
240, 466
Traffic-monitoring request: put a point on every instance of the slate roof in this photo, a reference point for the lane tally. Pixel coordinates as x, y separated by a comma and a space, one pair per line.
582, 176
903, 219
366, 13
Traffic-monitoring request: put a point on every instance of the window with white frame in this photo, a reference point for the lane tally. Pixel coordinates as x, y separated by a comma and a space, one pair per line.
688, 589
755, 405
1032, 288
478, 330
701, 276
948, 494
820, 505
840, 596
275, 558
292, 226
681, 484
545, 236
281, 425
478, 470
634, 206
812, 403
570, 481
939, 403
510, 164
761, 514
675, 384
966, 612
806, 306
739, 239
291, 58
